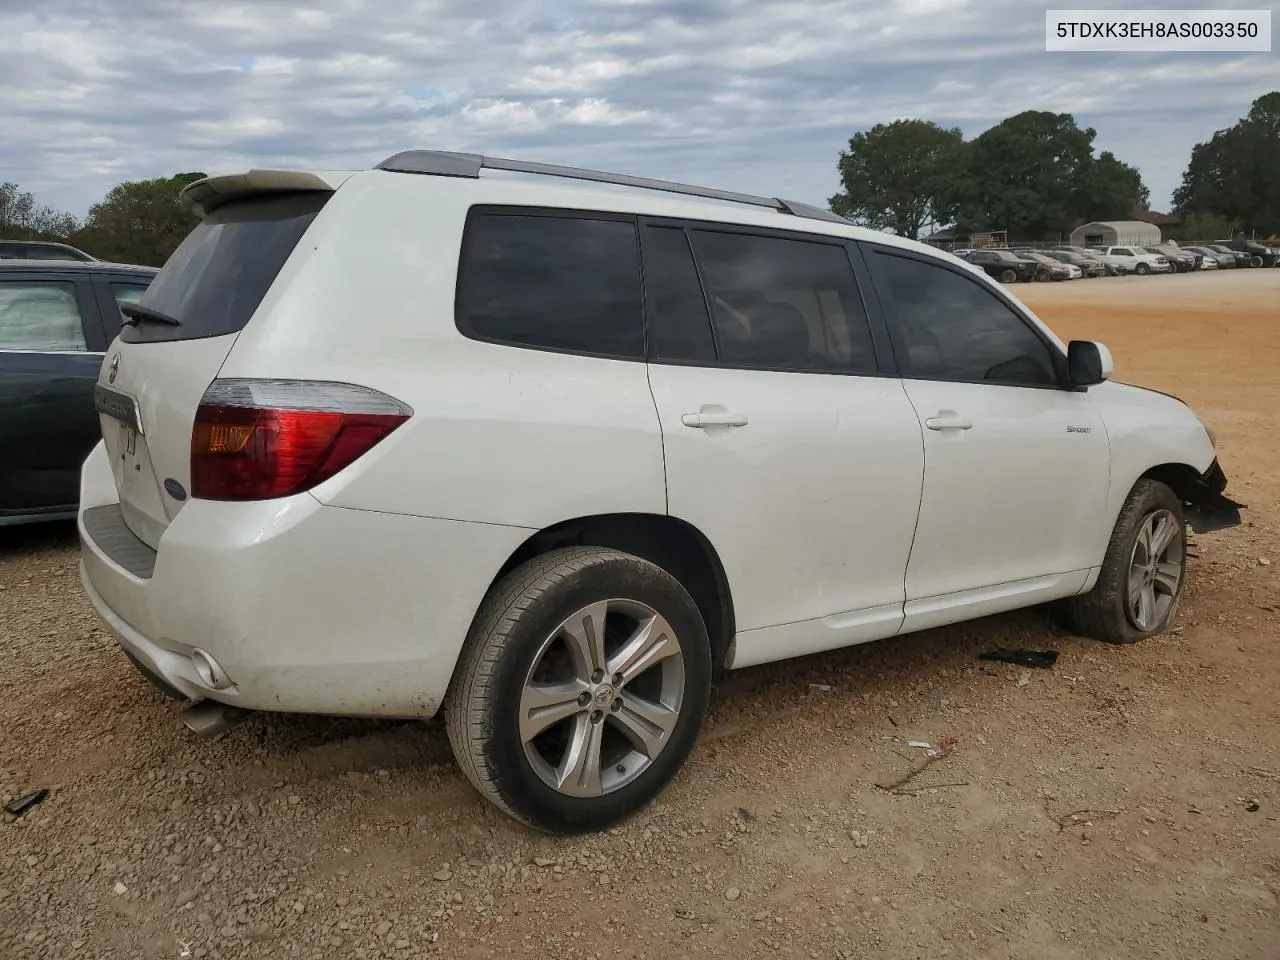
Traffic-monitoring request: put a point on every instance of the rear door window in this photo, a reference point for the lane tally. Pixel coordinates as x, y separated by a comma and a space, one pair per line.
40, 317
219, 274
784, 304
563, 283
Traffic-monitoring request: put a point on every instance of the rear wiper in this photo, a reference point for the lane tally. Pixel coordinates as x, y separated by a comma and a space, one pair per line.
135, 313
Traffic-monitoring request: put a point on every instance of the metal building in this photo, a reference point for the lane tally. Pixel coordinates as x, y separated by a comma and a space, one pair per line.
1110, 233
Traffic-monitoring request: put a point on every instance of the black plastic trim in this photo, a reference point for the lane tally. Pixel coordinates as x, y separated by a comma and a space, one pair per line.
105, 526
173, 693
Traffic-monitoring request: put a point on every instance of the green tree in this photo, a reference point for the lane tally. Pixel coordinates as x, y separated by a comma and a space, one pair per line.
1034, 174
1236, 173
1208, 227
901, 175
140, 221
1110, 189
22, 218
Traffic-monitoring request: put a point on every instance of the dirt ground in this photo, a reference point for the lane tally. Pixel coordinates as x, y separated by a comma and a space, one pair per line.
1122, 805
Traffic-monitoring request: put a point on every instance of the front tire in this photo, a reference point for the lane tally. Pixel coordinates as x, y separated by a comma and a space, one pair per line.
580, 690
1142, 269
1008, 276
1143, 573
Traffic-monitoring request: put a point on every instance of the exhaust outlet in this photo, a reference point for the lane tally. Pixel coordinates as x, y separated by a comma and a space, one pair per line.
208, 718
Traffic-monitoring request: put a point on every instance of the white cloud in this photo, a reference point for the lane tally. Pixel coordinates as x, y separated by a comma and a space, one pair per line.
756, 95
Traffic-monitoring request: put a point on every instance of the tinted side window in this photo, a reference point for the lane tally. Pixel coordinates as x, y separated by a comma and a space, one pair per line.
40, 316
952, 328
784, 304
679, 327
561, 283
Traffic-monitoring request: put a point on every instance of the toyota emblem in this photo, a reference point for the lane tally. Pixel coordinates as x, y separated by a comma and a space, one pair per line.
113, 369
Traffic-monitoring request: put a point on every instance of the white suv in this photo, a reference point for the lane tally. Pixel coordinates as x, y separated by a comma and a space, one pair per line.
485, 437
1137, 260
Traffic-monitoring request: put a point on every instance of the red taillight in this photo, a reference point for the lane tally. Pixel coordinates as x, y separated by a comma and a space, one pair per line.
259, 439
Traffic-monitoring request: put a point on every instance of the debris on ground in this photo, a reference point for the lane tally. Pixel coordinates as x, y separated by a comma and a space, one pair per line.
1084, 817
944, 750
23, 804
1039, 659
820, 687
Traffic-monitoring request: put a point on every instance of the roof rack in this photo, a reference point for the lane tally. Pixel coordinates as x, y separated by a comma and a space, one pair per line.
445, 163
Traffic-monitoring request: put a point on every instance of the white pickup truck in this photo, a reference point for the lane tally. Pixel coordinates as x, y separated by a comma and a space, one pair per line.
1137, 260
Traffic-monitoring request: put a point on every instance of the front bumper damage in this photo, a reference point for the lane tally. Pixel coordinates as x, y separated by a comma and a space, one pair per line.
1207, 508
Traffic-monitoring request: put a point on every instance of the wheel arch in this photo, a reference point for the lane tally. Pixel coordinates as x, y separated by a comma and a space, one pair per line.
673, 544
1182, 478
1201, 493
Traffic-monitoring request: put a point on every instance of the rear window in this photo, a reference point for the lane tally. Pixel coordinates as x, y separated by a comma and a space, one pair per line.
219, 274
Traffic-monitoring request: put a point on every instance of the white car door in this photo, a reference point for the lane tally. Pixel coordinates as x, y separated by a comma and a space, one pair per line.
1016, 463
788, 441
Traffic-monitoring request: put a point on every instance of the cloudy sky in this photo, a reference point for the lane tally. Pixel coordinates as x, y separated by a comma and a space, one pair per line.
755, 95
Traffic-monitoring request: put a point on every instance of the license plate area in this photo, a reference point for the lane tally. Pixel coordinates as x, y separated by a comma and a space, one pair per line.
119, 406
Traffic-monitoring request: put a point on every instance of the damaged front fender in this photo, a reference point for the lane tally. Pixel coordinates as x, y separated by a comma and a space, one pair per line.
1207, 507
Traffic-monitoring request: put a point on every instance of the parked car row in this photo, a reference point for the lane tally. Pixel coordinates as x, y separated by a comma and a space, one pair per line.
1025, 264
1226, 254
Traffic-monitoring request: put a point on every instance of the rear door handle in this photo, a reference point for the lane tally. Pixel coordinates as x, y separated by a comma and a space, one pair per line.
947, 420
703, 420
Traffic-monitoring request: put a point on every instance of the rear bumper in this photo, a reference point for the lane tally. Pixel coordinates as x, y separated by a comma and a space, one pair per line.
305, 608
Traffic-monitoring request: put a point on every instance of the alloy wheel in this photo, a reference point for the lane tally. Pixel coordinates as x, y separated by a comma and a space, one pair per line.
602, 698
1155, 571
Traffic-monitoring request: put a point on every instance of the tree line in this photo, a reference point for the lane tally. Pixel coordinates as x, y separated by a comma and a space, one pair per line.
1033, 174
140, 221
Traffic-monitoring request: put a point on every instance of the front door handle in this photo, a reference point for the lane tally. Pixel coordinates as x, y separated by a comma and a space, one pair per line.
708, 419
948, 420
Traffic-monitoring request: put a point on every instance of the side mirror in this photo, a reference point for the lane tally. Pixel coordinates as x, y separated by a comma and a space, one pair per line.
1088, 362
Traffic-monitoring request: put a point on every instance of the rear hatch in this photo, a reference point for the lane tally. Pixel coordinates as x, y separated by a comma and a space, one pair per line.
184, 326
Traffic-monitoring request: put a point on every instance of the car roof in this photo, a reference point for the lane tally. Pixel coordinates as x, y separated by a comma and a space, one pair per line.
547, 185
8, 265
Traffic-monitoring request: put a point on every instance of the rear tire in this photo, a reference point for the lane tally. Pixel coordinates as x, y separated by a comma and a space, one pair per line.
538, 717
1143, 573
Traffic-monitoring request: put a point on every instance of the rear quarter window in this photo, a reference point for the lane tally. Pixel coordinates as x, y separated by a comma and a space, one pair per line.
563, 283
219, 274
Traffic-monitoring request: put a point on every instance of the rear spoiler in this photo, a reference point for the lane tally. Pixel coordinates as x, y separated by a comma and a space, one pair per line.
210, 193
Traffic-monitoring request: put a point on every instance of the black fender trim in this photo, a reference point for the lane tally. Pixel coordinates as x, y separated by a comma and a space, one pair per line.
1208, 508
